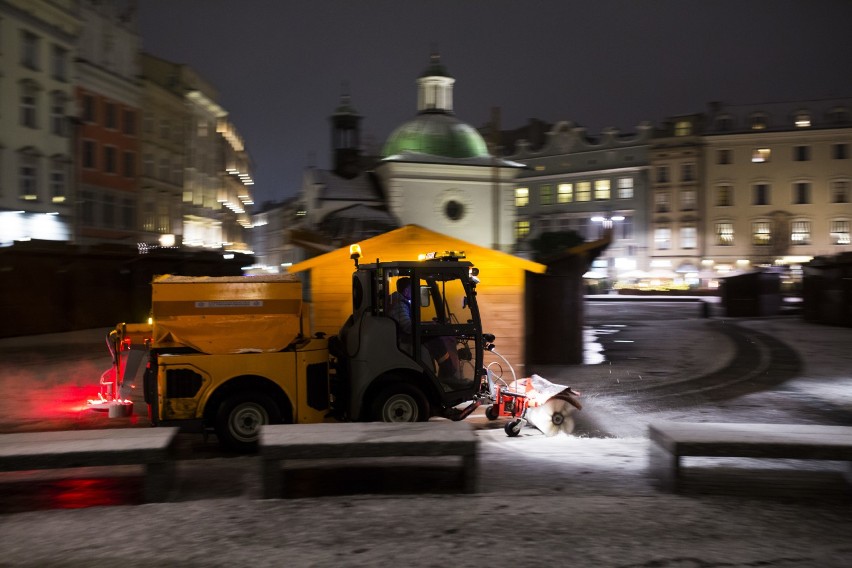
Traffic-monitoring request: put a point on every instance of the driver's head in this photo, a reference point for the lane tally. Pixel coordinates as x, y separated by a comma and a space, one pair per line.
403, 286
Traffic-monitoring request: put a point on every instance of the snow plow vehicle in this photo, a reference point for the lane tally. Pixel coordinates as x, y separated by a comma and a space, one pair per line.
229, 354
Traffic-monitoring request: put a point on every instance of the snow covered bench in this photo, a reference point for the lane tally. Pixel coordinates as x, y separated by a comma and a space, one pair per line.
150, 447
284, 442
670, 441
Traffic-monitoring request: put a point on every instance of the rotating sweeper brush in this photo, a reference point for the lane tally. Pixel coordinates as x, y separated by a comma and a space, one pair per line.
534, 400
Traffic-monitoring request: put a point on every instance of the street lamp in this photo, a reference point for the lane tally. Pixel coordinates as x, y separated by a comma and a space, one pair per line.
606, 222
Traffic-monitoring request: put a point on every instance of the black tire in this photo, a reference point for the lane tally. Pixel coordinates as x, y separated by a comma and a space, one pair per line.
512, 428
491, 412
400, 402
240, 417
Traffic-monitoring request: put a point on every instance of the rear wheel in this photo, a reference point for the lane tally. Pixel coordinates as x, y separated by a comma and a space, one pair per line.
400, 403
492, 413
240, 417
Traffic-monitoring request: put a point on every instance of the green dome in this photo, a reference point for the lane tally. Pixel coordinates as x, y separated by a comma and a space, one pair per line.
438, 134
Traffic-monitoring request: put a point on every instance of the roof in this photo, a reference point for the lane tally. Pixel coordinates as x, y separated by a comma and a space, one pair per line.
360, 188
409, 241
436, 134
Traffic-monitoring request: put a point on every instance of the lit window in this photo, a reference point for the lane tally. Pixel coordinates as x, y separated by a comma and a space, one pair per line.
761, 194
803, 120
840, 232
760, 155
688, 237
545, 194
602, 189
522, 229
683, 128
28, 177
565, 193
663, 238
724, 196
840, 191
725, 234
761, 233
801, 233
801, 193
522, 196
584, 191
625, 188
758, 122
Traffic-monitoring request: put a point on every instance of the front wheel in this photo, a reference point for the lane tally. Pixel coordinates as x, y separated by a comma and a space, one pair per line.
400, 403
240, 417
512, 428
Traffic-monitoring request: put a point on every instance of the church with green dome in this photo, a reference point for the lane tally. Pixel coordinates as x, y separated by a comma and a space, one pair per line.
437, 172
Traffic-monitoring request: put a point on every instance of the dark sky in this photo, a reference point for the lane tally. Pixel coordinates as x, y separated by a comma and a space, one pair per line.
280, 65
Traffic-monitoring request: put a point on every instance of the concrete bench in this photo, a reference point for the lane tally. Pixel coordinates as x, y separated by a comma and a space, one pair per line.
670, 441
284, 442
150, 447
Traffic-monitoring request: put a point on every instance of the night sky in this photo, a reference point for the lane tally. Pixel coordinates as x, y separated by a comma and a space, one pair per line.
280, 66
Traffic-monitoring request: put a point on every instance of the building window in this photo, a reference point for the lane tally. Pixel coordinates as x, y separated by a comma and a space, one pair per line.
760, 194
58, 183
661, 202
725, 234
723, 157
60, 63
28, 177
802, 193
110, 118
761, 233
683, 128
89, 108
687, 200
840, 191
522, 196
840, 232
801, 233
148, 165
801, 153
110, 165
724, 195
148, 217
29, 104
840, 151
802, 120
87, 208
148, 122
688, 237
129, 164
662, 174
89, 154
522, 229
758, 122
165, 128
57, 113
29, 50
128, 215
545, 194
687, 172
602, 191
624, 229
163, 170
625, 188
663, 238
838, 115
584, 191
129, 123
760, 155
724, 123
108, 211
565, 193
